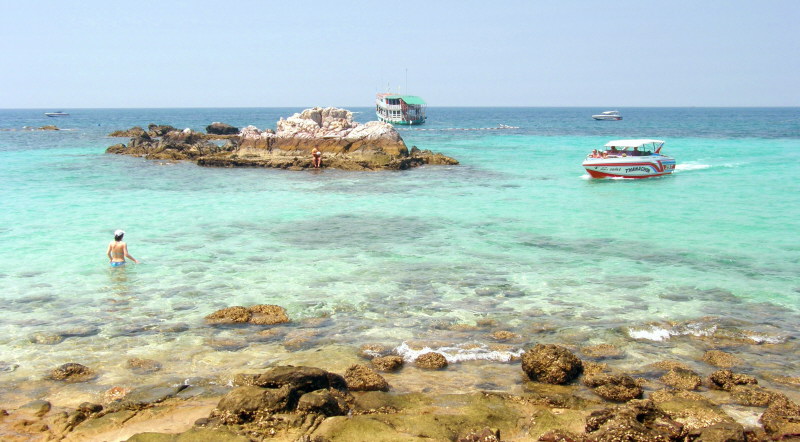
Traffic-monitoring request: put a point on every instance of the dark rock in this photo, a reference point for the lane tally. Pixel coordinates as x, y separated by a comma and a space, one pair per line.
682, 379
135, 131
89, 408
726, 379
551, 364
388, 363
217, 128
72, 372
158, 130
144, 396
362, 378
320, 401
638, 420
720, 432
243, 404
304, 379
431, 361
613, 387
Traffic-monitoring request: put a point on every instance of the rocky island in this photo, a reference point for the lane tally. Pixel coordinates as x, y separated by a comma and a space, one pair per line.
345, 144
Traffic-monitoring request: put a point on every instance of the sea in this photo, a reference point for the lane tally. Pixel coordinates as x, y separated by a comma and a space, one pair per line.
513, 247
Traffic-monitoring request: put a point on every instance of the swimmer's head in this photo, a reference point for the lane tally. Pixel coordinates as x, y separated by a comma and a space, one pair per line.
118, 235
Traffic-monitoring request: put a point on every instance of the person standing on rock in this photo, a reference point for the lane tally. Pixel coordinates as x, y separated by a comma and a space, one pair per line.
316, 158
118, 251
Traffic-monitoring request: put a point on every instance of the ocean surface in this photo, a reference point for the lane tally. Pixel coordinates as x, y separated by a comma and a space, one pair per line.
516, 238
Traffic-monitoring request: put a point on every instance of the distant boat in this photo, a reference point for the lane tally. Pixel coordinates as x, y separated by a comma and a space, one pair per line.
608, 115
400, 109
56, 114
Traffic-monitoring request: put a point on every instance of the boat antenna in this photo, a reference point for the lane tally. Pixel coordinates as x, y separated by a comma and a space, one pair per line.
659, 147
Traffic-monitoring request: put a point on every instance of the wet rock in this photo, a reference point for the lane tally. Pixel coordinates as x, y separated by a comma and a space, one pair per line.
89, 408
268, 314
143, 366
504, 335
373, 350
80, 331
431, 361
147, 395
72, 372
217, 128
243, 404
362, 378
388, 363
721, 359
726, 379
115, 394
720, 432
751, 395
668, 394
36, 408
551, 364
195, 434
46, 338
638, 420
230, 315
602, 351
695, 413
781, 420
613, 387
320, 401
682, 379
305, 379
667, 365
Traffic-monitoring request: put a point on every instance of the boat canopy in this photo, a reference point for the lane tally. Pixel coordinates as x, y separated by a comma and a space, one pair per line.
632, 143
409, 99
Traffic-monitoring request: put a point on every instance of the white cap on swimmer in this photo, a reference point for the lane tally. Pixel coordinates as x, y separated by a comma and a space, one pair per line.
119, 232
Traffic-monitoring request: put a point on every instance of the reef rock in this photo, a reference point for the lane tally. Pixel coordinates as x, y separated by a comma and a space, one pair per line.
431, 361
683, 379
551, 364
639, 420
362, 378
613, 387
726, 379
72, 372
721, 359
262, 314
781, 420
388, 363
344, 143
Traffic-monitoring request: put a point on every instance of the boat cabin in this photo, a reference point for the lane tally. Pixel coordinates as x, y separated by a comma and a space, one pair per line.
635, 148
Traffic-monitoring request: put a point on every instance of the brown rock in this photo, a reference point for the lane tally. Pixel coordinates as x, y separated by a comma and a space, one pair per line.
431, 361
752, 396
143, 366
720, 432
362, 378
669, 365
265, 314
218, 128
613, 387
484, 435
115, 393
781, 420
726, 379
46, 338
719, 358
320, 401
230, 315
504, 335
637, 421
682, 379
551, 364
72, 372
388, 363
243, 404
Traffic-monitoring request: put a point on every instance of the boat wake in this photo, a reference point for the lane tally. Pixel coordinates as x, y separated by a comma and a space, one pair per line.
460, 353
689, 166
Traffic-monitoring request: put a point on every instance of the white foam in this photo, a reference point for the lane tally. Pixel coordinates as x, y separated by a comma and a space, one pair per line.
764, 339
652, 334
683, 167
459, 354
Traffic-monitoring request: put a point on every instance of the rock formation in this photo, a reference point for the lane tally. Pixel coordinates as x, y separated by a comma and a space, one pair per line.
344, 143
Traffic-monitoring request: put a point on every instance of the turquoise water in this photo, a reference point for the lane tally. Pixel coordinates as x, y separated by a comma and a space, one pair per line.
516, 234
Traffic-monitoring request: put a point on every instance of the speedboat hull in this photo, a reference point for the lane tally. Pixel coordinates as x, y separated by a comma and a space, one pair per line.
630, 166
606, 117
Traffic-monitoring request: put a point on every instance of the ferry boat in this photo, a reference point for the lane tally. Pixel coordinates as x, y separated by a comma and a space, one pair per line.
400, 109
629, 159
608, 115
56, 114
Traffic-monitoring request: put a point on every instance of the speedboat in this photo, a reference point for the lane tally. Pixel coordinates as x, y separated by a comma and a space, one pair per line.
608, 115
629, 159
56, 114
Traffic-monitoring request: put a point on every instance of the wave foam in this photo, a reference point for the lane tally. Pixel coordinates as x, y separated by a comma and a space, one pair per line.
701, 329
460, 353
683, 167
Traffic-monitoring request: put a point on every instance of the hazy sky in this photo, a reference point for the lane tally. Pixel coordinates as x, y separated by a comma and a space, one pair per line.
64, 54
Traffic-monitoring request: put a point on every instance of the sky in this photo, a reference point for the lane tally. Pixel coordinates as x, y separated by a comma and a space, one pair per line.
151, 54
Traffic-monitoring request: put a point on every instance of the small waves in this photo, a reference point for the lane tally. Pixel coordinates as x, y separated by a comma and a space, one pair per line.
460, 353
684, 167
704, 328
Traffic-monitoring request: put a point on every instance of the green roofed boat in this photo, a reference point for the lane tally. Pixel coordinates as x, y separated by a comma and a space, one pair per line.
400, 109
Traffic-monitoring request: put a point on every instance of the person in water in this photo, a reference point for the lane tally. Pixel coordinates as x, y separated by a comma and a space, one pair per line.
118, 250
316, 158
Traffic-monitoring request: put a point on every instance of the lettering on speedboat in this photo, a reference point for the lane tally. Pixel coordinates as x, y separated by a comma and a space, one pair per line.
637, 169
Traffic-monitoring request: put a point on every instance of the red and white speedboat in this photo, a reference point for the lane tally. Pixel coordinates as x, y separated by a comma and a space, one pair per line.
629, 159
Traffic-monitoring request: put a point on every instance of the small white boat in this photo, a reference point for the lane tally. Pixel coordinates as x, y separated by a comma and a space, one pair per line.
629, 159
608, 115
56, 114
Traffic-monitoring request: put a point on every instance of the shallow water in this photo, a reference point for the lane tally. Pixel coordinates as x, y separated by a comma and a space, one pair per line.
515, 238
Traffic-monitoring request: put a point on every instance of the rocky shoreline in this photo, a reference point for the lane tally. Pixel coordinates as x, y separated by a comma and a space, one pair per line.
344, 144
563, 398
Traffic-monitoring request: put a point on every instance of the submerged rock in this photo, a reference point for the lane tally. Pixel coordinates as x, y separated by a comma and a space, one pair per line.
431, 361
143, 366
262, 314
683, 379
602, 351
72, 372
551, 364
388, 363
721, 359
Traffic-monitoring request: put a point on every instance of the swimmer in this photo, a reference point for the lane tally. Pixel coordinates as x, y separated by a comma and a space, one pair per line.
118, 251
